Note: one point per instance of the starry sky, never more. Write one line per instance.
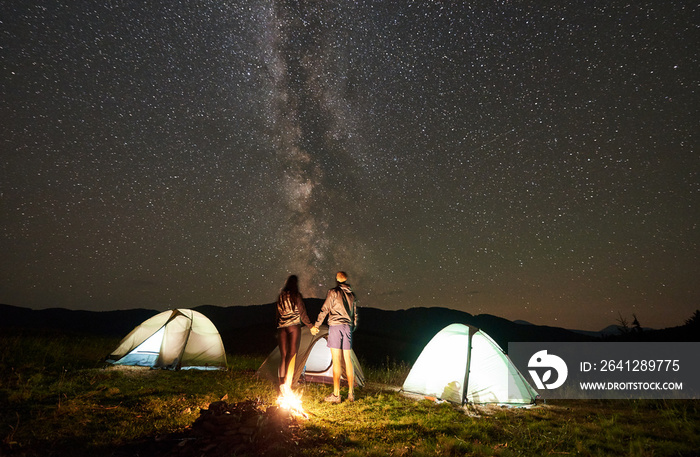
(531, 160)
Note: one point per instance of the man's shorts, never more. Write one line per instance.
(339, 336)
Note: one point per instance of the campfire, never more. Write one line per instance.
(291, 402)
(249, 427)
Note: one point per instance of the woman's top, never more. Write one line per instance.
(291, 310)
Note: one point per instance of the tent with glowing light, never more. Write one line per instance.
(313, 363)
(462, 364)
(175, 339)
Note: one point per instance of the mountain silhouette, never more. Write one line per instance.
(380, 336)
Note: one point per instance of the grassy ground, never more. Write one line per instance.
(57, 399)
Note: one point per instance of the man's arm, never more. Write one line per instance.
(324, 310)
(357, 315)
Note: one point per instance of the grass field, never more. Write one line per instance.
(57, 399)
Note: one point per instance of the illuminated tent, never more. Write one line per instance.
(313, 363)
(174, 339)
(462, 364)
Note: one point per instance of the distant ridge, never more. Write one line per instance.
(398, 335)
(106, 323)
(522, 322)
(610, 330)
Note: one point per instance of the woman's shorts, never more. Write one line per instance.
(339, 336)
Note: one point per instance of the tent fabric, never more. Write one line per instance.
(462, 364)
(175, 339)
(313, 363)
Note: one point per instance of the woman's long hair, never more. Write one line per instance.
(292, 285)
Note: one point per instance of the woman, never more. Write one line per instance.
(291, 313)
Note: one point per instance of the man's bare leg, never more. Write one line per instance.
(349, 372)
(337, 369)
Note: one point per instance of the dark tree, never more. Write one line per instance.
(694, 320)
(635, 324)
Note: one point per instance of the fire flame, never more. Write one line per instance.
(292, 402)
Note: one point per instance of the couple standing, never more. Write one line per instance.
(341, 309)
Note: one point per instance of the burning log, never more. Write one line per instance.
(291, 402)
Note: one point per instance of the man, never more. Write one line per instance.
(341, 308)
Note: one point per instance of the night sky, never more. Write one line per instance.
(531, 160)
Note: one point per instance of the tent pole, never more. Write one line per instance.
(189, 332)
(469, 365)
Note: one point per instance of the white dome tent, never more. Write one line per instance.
(462, 364)
(314, 362)
(175, 339)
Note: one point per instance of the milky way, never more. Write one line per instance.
(531, 161)
(313, 125)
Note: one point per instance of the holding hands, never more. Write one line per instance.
(314, 331)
